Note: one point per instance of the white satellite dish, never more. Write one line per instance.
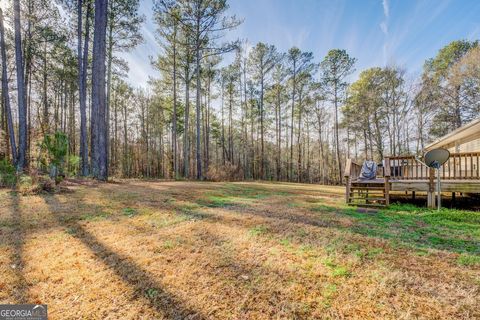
(435, 159)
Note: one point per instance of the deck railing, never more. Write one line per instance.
(459, 166)
(352, 170)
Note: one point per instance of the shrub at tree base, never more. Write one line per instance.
(56, 148)
(25, 184)
(34, 184)
(227, 172)
(7, 174)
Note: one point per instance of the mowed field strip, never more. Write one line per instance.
(201, 250)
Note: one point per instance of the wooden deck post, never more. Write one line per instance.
(348, 167)
(386, 176)
(431, 188)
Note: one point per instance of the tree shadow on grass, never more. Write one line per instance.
(416, 230)
(194, 208)
(18, 231)
(406, 229)
(143, 283)
(432, 230)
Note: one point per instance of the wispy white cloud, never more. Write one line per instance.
(475, 33)
(423, 14)
(330, 20)
(384, 28)
(377, 33)
(297, 38)
(138, 59)
(386, 8)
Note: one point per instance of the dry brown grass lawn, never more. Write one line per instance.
(193, 250)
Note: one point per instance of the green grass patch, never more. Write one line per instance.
(129, 212)
(249, 192)
(151, 293)
(468, 260)
(447, 216)
(166, 221)
(329, 290)
(328, 293)
(8, 223)
(403, 207)
(341, 272)
(352, 247)
(306, 248)
(373, 252)
(258, 230)
(329, 262)
(295, 204)
(216, 201)
(421, 252)
(93, 216)
(323, 208)
(286, 242)
(337, 270)
(193, 212)
(234, 195)
(302, 233)
(71, 231)
(168, 244)
(411, 226)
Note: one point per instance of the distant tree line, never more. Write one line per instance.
(265, 115)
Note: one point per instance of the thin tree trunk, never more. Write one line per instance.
(5, 93)
(22, 111)
(29, 110)
(186, 140)
(299, 144)
(81, 61)
(197, 106)
(3, 127)
(99, 133)
(109, 81)
(85, 170)
(252, 113)
(115, 134)
(308, 152)
(230, 129)
(174, 124)
(45, 124)
(223, 124)
(290, 163)
(277, 132)
(262, 150)
(125, 143)
(207, 122)
(245, 106)
(337, 139)
(28, 75)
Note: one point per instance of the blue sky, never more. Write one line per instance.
(376, 32)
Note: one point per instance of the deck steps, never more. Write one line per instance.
(367, 194)
(369, 198)
(369, 188)
(367, 205)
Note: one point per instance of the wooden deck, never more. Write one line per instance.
(461, 174)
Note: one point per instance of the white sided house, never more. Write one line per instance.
(463, 139)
